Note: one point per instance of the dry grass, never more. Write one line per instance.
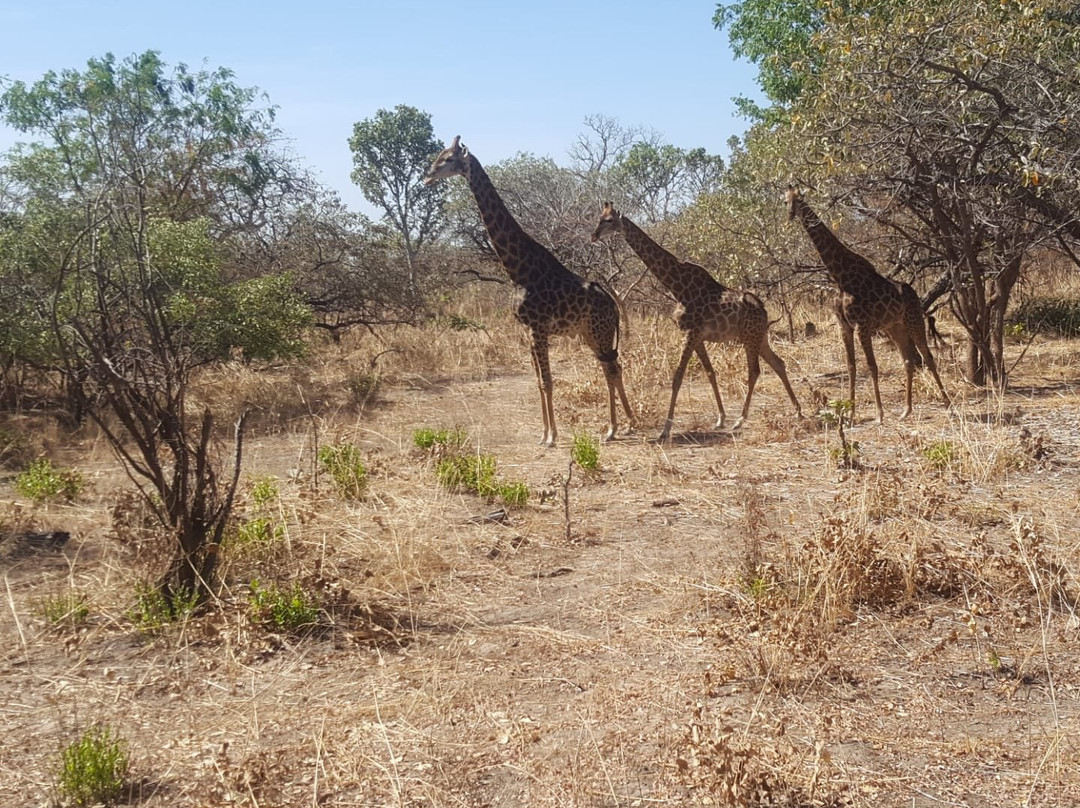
(729, 619)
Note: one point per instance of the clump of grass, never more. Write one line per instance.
(94, 769)
(153, 610)
(258, 532)
(514, 494)
(427, 439)
(43, 482)
(65, 610)
(940, 455)
(585, 451)
(344, 462)
(282, 610)
(472, 472)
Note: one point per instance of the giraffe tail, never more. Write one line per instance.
(620, 308)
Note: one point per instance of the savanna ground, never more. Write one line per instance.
(729, 619)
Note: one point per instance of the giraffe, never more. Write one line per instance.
(868, 302)
(555, 301)
(707, 311)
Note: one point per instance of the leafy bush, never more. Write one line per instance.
(1058, 316)
(285, 611)
(44, 482)
(264, 492)
(345, 465)
(94, 769)
(585, 451)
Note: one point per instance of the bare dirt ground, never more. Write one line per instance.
(728, 619)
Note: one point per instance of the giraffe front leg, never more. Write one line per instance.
(710, 374)
(866, 339)
(847, 334)
(676, 383)
(542, 366)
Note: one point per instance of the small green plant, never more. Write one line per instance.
(258, 532)
(474, 472)
(514, 494)
(289, 610)
(344, 463)
(940, 455)
(264, 492)
(153, 611)
(427, 439)
(43, 482)
(836, 413)
(94, 769)
(68, 609)
(585, 451)
(362, 386)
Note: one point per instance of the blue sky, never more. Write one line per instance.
(507, 76)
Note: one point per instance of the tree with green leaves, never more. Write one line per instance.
(391, 153)
(774, 35)
(956, 127)
(142, 182)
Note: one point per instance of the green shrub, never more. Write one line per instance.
(428, 439)
(68, 609)
(258, 532)
(44, 482)
(472, 472)
(264, 492)
(345, 465)
(284, 611)
(153, 611)
(94, 769)
(585, 451)
(940, 455)
(514, 494)
(1057, 316)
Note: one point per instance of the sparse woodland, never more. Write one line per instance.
(275, 528)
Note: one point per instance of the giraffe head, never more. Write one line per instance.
(610, 222)
(794, 198)
(451, 162)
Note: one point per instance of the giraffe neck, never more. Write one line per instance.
(834, 253)
(662, 264)
(510, 242)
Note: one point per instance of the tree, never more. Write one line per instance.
(776, 36)
(111, 252)
(391, 153)
(662, 179)
(958, 128)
